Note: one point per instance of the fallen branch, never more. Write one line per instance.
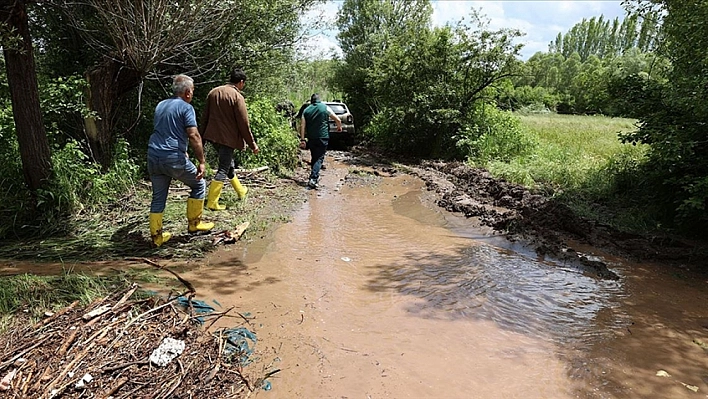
(186, 283)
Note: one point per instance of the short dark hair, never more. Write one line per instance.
(315, 98)
(238, 75)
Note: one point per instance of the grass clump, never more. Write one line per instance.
(36, 295)
(580, 160)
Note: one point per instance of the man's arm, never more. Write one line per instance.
(244, 127)
(335, 118)
(195, 141)
(302, 128)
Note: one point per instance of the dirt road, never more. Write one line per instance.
(373, 292)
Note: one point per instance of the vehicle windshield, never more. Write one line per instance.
(338, 108)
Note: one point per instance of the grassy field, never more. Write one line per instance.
(581, 160)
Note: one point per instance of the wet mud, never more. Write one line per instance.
(436, 281)
(546, 224)
(402, 282)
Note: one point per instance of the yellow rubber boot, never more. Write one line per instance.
(159, 237)
(195, 207)
(240, 189)
(215, 188)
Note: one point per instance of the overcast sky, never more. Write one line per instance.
(540, 20)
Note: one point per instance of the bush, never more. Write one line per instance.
(9, 150)
(79, 183)
(494, 136)
(278, 143)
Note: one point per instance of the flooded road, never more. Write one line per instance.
(368, 292)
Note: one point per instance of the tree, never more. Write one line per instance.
(367, 29)
(422, 86)
(604, 39)
(120, 44)
(673, 114)
(22, 79)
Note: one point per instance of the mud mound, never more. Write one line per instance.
(543, 222)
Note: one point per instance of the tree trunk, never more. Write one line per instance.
(108, 83)
(22, 79)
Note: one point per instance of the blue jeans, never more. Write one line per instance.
(318, 148)
(163, 169)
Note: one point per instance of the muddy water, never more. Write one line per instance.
(370, 293)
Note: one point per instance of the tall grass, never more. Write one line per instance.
(35, 294)
(581, 160)
(570, 149)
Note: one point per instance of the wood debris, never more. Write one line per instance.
(69, 355)
(230, 236)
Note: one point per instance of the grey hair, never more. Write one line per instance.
(181, 83)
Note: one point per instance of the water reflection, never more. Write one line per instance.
(517, 291)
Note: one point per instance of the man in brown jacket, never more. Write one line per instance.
(225, 124)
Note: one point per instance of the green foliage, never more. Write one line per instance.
(79, 183)
(495, 136)
(581, 160)
(567, 149)
(603, 38)
(418, 86)
(367, 29)
(9, 149)
(99, 39)
(312, 76)
(578, 74)
(64, 108)
(277, 142)
(38, 294)
(673, 114)
(527, 98)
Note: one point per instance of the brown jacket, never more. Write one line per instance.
(225, 119)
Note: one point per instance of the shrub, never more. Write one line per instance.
(278, 143)
(79, 183)
(495, 135)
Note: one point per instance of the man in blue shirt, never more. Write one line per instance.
(315, 121)
(175, 124)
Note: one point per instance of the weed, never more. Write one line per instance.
(580, 160)
(38, 294)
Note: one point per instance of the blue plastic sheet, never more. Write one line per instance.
(240, 341)
(237, 341)
(200, 307)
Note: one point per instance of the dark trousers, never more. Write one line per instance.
(318, 148)
(225, 171)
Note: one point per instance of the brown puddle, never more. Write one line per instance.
(369, 293)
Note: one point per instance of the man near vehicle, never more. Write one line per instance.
(225, 124)
(298, 117)
(314, 122)
(175, 124)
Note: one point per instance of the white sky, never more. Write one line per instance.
(540, 20)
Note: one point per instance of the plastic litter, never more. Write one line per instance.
(200, 307)
(87, 378)
(168, 350)
(237, 342)
(6, 380)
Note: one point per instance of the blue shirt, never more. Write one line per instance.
(172, 118)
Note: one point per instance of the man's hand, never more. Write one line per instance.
(303, 144)
(200, 170)
(255, 148)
